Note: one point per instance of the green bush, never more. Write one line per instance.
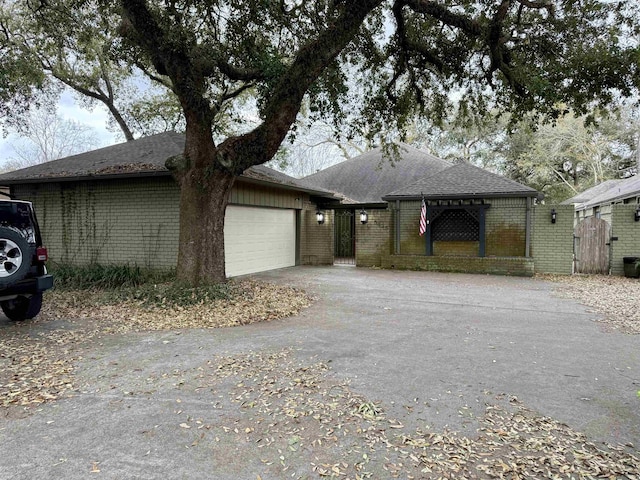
(69, 277)
(152, 288)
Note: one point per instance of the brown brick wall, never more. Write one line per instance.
(552, 245)
(373, 240)
(518, 266)
(136, 220)
(459, 249)
(505, 231)
(627, 230)
(316, 241)
(110, 222)
(506, 227)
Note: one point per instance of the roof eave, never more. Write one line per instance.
(80, 178)
(154, 173)
(606, 201)
(359, 205)
(284, 186)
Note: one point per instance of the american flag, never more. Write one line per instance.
(423, 218)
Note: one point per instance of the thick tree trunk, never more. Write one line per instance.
(203, 200)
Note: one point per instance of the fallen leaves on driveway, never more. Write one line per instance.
(37, 357)
(298, 417)
(617, 299)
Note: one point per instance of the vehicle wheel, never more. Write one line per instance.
(15, 256)
(21, 307)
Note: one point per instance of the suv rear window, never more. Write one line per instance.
(18, 217)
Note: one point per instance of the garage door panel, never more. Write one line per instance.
(258, 239)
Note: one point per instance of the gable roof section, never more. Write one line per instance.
(592, 192)
(144, 157)
(628, 187)
(367, 177)
(462, 180)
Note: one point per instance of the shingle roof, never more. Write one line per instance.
(146, 154)
(463, 180)
(143, 157)
(592, 192)
(368, 177)
(629, 187)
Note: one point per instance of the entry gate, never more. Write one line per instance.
(592, 238)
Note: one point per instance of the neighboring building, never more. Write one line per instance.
(119, 204)
(607, 226)
(597, 201)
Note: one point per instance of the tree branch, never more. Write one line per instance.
(261, 144)
(235, 73)
(102, 98)
(434, 9)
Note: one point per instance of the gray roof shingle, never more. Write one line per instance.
(629, 187)
(463, 180)
(592, 192)
(143, 157)
(146, 154)
(368, 177)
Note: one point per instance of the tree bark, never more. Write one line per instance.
(203, 200)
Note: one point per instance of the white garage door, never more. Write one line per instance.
(258, 239)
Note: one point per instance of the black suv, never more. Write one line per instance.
(23, 275)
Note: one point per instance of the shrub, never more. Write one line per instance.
(70, 277)
(151, 288)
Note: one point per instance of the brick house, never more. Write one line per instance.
(476, 220)
(120, 204)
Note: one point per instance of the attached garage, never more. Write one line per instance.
(120, 205)
(258, 239)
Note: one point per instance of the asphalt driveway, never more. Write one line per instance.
(413, 351)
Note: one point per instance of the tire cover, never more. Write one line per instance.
(26, 252)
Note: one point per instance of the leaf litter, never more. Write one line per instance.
(617, 299)
(37, 357)
(302, 421)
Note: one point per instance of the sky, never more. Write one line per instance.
(69, 109)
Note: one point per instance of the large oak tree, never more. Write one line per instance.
(369, 65)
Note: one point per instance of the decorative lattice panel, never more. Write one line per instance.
(455, 225)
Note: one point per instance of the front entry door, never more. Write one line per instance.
(344, 251)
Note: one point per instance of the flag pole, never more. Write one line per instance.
(423, 216)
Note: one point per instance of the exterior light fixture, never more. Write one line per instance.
(636, 216)
(364, 217)
(320, 217)
(553, 215)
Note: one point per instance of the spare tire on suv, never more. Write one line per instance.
(15, 256)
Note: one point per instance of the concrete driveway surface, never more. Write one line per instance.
(382, 366)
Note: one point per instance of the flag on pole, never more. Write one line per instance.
(423, 217)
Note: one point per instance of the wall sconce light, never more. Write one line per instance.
(636, 216)
(320, 217)
(553, 215)
(364, 217)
